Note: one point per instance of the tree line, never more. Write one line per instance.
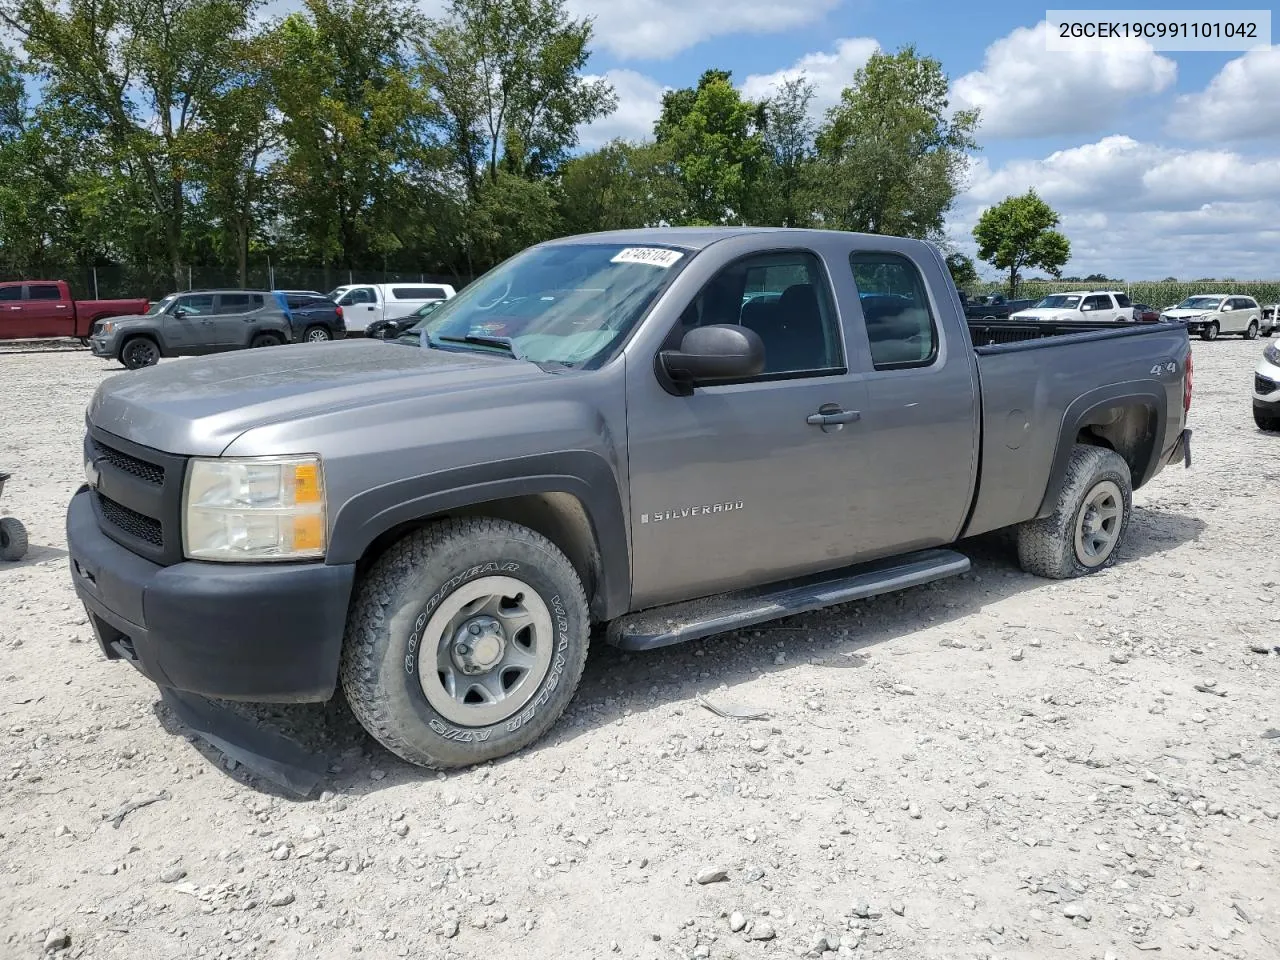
(153, 134)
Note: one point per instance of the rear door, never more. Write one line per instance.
(45, 313)
(230, 319)
(916, 441)
(1124, 308)
(13, 324)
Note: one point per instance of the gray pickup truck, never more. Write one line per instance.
(613, 434)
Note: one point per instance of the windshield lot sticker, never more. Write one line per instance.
(653, 256)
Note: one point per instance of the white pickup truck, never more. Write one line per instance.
(1081, 305)
(366, 303)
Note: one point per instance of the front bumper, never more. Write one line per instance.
(256, 632)
(102, 348)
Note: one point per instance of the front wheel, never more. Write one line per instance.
(465, 643)
(1266, 422)
(1252, 332)
(1210, 331)
(1088, 522)
(140, 352)
(13, 539)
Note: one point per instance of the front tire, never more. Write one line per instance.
(1252, 332)
(13, 539)
(1210, 331)
(1265, 422)
(465, 642)
(1091, 516)
(140, 352)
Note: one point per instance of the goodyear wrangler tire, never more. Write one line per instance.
(465, 642)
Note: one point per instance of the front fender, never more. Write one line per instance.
(582, 474)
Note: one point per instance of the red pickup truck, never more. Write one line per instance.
(44, 308)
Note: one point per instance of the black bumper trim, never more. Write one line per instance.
(256, 632)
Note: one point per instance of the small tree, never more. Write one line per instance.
(963, 272)
(1019, 232)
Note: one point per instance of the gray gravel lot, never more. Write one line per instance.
(993, 766)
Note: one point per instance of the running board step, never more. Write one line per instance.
(692, 619)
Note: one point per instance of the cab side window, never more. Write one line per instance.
(1097, 302)
(199, 305)
(359, 295)
(786, 299)
(901, 328)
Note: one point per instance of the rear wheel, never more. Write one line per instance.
(265, 340)
(1210, 331)
(316, 335)
(140, 352)
(1252, 332)
(1088, 522)
(466, 642)
(13, 539)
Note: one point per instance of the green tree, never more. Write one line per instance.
(618, 187)
(714, 141)
(892, 156)
(507, 78)
(145, 71)
(963, 272)
(1018, 232)
(788, 142)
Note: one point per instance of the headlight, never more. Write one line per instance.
(106, 327)
(260, 508)
(1272, 354)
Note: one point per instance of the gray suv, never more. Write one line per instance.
(192, 324)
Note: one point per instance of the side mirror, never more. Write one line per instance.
(1226, 307)
(179, 312)
(717, 352)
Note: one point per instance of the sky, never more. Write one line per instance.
(1160, 163)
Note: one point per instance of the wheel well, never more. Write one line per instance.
(560, 517)
(1129, 430)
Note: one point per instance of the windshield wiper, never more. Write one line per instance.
(503, 342)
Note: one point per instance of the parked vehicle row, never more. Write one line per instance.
(367, 303)
(601, 432)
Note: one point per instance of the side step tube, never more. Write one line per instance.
(690, 620)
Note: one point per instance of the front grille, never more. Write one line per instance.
(132, 522)
(150, 472)
(1262, 385)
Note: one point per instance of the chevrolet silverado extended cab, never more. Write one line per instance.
(606, 434)
(45, 308)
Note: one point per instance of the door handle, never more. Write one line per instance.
(831, 415)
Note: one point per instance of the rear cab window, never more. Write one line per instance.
(901, 329)
(43, 291)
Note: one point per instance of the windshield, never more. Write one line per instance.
(1059, 301)
(567, 305)
(1199, 303)
(335, 294)
(161, 306)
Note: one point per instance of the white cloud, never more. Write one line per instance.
(829, 73)
(1024, 90)
(1144, 211)
(639, 105)
(660, 29)
(1242, 102)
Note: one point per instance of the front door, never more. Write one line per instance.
(360, 307)
(734, 485)
(187, 324)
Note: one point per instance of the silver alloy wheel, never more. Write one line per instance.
(485, 651)
(1098, 524)
(317, 335)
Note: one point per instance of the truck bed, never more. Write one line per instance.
(1033, 376)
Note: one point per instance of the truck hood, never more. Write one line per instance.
(199, 406)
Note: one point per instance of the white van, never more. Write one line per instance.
(363, 303)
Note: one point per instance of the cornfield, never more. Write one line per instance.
(1155, 293)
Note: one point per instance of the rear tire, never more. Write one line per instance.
(1089, 521)
(13, 539)
(407, 670)
(140, 352)
(265, 340)
(1210, 331)
(1265, 423)
(1252, 332)
(316, 335)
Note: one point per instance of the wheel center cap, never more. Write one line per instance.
(479, 645)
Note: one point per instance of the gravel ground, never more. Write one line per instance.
(993, 766)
